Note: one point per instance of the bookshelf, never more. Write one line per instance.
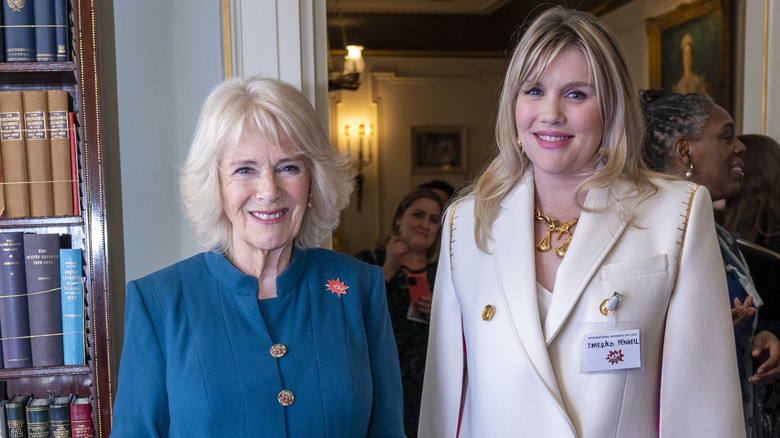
(80, 77)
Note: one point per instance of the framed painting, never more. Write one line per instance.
(690, 50)
(438, 149)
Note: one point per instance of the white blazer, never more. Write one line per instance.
(512, 376)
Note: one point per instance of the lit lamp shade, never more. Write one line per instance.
(353, 62)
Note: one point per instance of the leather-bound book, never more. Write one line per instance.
(35, 104)
(14, 155)
(45, 31)
(59, 145)
(14, 316)
(81, 417)
(38, 423)
(16, 416)
(18, 19)
(42, 265)
(62, 35)
(59, 416)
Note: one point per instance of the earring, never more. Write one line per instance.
(689, 172)
(520, 144)
(309, 204)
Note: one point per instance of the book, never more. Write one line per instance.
(14, 155)
(35, 104)
(59, 147)
(61, 32)
(19, 34)
(74, 164)
(42, 265)
(81, 417)
(2, 46)
(72, 299)
(14, 316)
(59, 416)
(38, 423)
(45, 31)
(16, 417)
(3, 419)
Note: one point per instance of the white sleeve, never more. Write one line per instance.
(445, 371)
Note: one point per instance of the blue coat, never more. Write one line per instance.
(197, 353)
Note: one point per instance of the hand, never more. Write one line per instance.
(766, 349)
(396, 248)
(423, 306)
(742, 311)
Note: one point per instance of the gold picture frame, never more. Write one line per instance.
(690, 50)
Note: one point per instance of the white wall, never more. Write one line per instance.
(168, 57)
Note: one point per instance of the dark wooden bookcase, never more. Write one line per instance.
(80, 77)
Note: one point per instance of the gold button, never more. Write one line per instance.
(488, 312)
(278, 350)
(286, 397)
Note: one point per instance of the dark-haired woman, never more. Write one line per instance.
(690, 136)
(407, 258)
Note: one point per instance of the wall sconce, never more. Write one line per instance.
(364, 133)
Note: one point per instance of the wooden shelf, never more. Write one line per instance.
(35, 222)
(80, 78)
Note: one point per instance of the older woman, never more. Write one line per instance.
(408, 266)
(574, 295)
(265, 335)
(690, 136)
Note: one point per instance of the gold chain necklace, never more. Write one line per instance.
(554, 225)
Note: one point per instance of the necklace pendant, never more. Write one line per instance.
(545, 244)
(561, 250)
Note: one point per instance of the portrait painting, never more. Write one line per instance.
(438, 149)
(689, 50)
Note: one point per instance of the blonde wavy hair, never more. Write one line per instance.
(278, 111)
(555, 30)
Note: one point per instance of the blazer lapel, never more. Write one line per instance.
(598, 232)
(513, 256)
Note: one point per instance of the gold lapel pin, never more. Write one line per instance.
(488, 312)
(608, 306)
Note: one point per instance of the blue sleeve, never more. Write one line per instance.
(141, 405)
(387, 410)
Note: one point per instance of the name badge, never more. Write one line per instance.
(613, 350)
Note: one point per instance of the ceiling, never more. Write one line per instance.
(438, 27)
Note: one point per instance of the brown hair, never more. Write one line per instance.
(754, 213)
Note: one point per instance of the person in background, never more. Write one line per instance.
(264, 335)
(690, 136)
(442, 188)
(409, 269)
(754, 212)
(574, 296)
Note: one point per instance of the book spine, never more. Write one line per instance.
(38, 153)
(14, 155)
(59, 416)
(18, 19)
(80, 420)
(61, 23)
(15, 415)
(74, 164)
(72, 297)
(38, 424)
(59, 146)
(45, 31)
(42, 265)
(14, 316)
(2, 47)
